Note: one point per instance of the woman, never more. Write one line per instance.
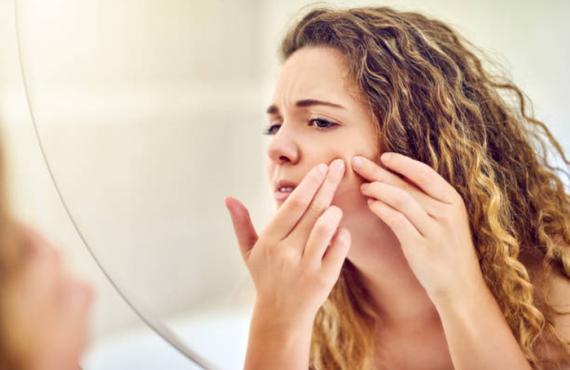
(43, 308)
(454, 227)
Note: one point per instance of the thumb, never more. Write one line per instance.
(77, 301)
(244, 230)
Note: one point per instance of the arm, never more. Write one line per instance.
(294, 264)
(478, 335)
(431, 222)
(278, 341)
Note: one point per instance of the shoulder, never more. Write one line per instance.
(559, 298)
(554, 288)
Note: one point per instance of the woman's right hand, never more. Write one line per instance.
(298, 257)
(46, 308)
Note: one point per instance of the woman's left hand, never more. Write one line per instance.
(429, 218)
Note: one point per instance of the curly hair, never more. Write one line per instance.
(433, 101)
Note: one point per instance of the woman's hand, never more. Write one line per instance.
(429, 218)
(297, 259)
(45, 308)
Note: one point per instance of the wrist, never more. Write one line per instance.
(278, 318)
(278, 340)
(473, 296)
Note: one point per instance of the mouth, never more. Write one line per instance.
(281, 195)
(283, 189)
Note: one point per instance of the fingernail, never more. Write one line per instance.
(322, 168)
(344, 234)
(337, 165)
(356, 162)
(386, 157)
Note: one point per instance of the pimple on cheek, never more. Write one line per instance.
(352, 177)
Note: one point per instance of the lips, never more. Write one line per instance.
(282, 195)
(284, 183)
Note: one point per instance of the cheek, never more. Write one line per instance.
(348, 195)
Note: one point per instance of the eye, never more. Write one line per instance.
(269, 130)
(320, 122)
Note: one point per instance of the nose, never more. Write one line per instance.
(282, 148)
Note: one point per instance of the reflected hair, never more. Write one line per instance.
(432, 100)
(12, 344)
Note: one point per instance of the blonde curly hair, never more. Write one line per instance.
(433, 101)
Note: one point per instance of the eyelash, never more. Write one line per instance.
(332, 124)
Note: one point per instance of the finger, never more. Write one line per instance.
(243, 227)
(336, 253)
(296, 204)
(44, 272)
(401, 201)
(320, 203)
(74, 315)
(320, 237)
(407, 234)
(371, 171)
(78, 300)
(422, 175)
(33, 242)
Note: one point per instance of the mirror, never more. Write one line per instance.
(148, 116)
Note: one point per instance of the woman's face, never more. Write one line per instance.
(315, 117)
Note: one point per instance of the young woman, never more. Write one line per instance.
(44, 309)
(438, 238)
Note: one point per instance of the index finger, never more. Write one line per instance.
(296, 204)
(422, 175)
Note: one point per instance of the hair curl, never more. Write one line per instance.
(433, 101)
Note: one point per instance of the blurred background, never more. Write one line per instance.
(150, 113)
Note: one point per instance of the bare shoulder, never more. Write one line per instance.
(559, 298)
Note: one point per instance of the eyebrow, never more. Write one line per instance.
(272, 109)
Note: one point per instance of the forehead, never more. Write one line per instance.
(313, 72)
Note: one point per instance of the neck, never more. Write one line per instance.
(402, 304)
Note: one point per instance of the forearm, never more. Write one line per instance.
(478, 335)
(277, 342)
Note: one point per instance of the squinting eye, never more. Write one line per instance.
(269, 130)
(323, 121)
(318, 121)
